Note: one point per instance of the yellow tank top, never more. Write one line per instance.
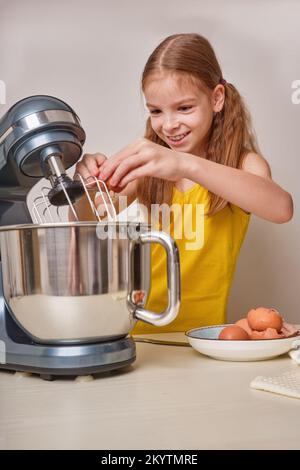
(206, 270)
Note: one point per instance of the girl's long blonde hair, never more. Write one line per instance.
(231, 135)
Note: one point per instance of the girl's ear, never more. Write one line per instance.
(218, 98)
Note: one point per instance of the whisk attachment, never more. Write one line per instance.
(104, 194)
(55, 204)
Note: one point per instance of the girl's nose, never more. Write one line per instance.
(170, 124)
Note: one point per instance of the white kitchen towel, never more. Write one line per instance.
(287, 384)
(295, 353)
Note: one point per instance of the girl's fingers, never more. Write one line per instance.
(126, 166)
(90, 163)
(100, 160)
(82, 170)
(111, 164)
(107, 169)
(139, 172)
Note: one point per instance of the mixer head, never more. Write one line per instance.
(32, 126)
(40, 136)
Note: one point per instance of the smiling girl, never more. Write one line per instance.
(198, 151)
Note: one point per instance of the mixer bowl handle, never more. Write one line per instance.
(173, 280)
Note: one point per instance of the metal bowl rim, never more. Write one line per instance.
(7, 228)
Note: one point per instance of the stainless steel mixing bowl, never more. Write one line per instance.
(83, 281)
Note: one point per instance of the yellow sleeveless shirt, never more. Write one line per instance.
(206, 270)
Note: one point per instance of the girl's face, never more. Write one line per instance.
(181, 113)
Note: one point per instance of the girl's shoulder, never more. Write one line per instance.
(255, 163)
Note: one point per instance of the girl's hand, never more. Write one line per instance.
(90, 165)
(88, 168)
(139, 159)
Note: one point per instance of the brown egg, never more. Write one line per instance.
(233, 333)
(243, 323)
(262, 318)
(269, 333)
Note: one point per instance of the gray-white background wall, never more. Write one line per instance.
(91, 53)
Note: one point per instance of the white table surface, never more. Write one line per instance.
(170, 398)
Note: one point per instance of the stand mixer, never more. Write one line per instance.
(67, 294)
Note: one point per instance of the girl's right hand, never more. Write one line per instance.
(88, 168)
(90, 165)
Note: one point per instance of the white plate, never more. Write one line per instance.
(205, 340)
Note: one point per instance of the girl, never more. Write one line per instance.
(198, 150)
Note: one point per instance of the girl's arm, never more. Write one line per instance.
(250, 188)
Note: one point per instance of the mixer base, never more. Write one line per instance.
(52, 374)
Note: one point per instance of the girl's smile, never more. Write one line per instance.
(177, 140)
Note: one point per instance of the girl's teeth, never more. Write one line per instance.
(178, 137)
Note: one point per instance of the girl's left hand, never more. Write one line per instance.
(142, 158)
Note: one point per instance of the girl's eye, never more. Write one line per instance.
(182, 108)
